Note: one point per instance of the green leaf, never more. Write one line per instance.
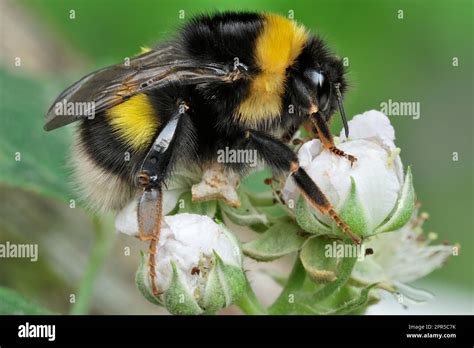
(255, 181)
(13, 303)
(320, 268)
(307, 220)
(353, 213)
(344, 270)
(354, 304)
(246, 214)
(42, 156)
(404, 208)
(249, 303)
(285, 303)
(277, 241)
(186, 205)
(265, 202)
(261, 199)
(273, 212)
(259, 228)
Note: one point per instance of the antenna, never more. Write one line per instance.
(341, 109)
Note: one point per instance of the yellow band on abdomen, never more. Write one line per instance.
(135, 121)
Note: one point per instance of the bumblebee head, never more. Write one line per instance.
(317, 81)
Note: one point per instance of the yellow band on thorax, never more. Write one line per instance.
(277, 47)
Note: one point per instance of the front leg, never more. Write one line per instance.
(280, 158)
(326, 137)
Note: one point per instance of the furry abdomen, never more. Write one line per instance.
(109, 149)
(99, 188)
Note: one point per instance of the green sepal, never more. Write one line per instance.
(307, 220)
(225, 285)
(353, 214)
(177, 298)
(404, 208)
(142, 281)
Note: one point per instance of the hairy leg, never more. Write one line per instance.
(326, 137)
(153, 172)
(280, 157)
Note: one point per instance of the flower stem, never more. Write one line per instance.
(249, 303)
(282, 304)
(96, 261)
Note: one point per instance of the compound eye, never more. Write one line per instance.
(323, 90)
(318, 78)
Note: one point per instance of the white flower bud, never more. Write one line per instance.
(368, 194)
(198, 266)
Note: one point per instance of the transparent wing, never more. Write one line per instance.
(113, 85)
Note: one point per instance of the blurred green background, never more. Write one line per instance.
(409, 59)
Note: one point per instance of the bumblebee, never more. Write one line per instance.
(240, 80)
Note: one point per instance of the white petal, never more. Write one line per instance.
(170, 199)
(401, 256)
(371, 125)
(126, 220)
(290, 190)
(377, 183)
(308, 151)
(398, 167)
(411, 258)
